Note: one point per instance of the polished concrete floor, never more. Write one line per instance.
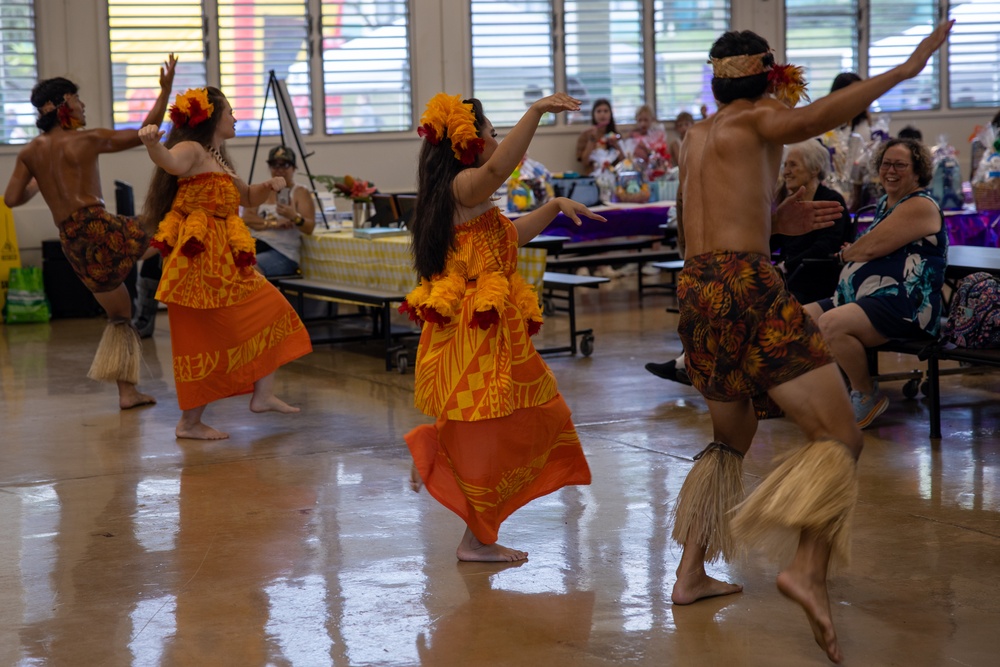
(299, 542)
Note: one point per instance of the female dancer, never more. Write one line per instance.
(503, 434)
(230, 329)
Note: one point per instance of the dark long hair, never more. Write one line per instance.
(843, 80)
(433, 224)
(51, 90)
(163, 186)
(740, 43)
(612, 128)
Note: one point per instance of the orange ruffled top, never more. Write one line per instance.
(208, 249)
(475, 359)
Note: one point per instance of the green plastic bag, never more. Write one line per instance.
(26, 300)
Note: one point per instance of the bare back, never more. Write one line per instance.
(728, 173)
(64, 163)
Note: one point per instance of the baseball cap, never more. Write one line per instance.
(281, 153)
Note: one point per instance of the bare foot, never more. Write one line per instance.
(199, 431)
(416, 482)
(697, 586)
(271, 404)
(134, 400)
(815, 602)
(471, 549)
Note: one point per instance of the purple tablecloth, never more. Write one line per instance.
(622, 221)
(975, 228)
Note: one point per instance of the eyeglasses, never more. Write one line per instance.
(898, 166)
(280, 165)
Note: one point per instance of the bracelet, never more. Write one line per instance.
(299, 220)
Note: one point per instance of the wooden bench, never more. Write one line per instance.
(565, 284)
(379, 300)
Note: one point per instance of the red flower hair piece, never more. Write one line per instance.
(191, 108)
(787, 83)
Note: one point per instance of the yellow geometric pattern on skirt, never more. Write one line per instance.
(205, 208)
(464, 372)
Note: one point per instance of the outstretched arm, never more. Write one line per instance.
(256, 194)
(476, 185)
(177, 161)
(777, 123)
(531, 225)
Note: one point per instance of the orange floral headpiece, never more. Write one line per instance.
(191, 108)
(786, 82)
(447, 116)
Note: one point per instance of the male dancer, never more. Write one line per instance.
(102, 248)
(743, 334)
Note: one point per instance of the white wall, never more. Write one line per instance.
(73, 42)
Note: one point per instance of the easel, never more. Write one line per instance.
(285, 114)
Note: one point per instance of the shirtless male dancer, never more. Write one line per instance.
(744, 334)
(102, 248)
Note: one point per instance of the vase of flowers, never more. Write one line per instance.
(358, 191)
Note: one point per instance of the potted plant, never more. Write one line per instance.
(358, 191)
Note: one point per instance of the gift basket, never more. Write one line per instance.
(986, 181)
(529, 186)
(946, 179)
(630, 186)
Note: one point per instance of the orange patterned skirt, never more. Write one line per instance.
(485, 470)
(221, 352)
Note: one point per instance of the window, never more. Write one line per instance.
(827, 38)
(142, 33)
(685, 31)
(365, 59)
(974, 54)
(366, 66)
(256, 37)
(822, 38)
(512, 57)
(18, 70)
(604, 54)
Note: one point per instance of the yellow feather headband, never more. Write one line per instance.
(447, 116)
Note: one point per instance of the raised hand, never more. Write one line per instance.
(167, 72)
(150, 135)
(556, 103)
(926, 48)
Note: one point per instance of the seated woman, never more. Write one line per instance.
(890, 286)
(806, 165)
(279, 223)
(602, 133)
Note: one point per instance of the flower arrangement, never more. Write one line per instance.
(354, 189)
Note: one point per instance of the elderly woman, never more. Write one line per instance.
(806, 165)
(890, 286)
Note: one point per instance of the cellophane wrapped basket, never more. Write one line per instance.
(987, 195)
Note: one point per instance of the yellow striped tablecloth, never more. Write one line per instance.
(383, 263)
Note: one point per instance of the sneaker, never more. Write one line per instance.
(868, 406)
(669, 371)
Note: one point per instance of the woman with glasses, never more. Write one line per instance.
(279, 223)
(890, 285)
